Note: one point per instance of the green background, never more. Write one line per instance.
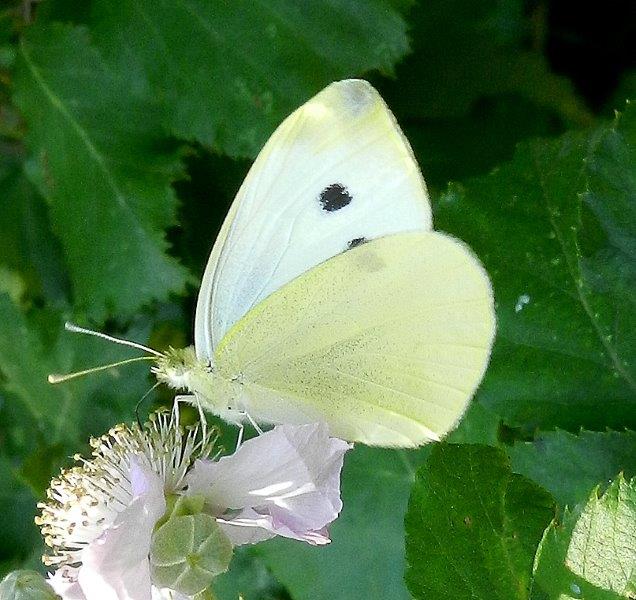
(127, 127)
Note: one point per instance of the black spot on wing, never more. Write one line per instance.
(356, 242)
(334, 197)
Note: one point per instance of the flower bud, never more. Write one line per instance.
(26, 585)
(188, 552)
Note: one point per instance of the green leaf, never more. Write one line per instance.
(592, 556)
(12, 15)
(248, 578)
(17, 507)
(25, 585)
(188, 552)
(99, 158)
(556, 231)
(610, 267)
(455, 148)
(34, 346)
(465, 50)
(478, 426)
(472, 88)
(569, 465)
(472, 526)
(245, 65)
(11, 283)
(365, 558)
(29, 250)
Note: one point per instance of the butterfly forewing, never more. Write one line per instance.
(336, 173)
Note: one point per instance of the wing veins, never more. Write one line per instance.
(363, 329)
(401, 392)
(421, 360)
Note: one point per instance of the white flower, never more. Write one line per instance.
(284, 482)
(100, 515)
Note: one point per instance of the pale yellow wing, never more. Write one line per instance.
(387, 342)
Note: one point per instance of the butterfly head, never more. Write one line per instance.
(178, 367)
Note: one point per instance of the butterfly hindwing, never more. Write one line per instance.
(394, 338)
(336, 173)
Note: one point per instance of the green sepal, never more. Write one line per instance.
(26, 585)
(188, 505)
(179, 506)
(189, 550)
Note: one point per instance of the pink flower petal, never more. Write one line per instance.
(131, 583)
(249, 527)
(289, 477)
(65, 588)
(115, 566)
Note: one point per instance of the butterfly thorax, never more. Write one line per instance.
(181, 369)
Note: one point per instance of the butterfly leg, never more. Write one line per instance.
(138, 405)
(241, 429)
(202, 419)
(239, 437)
(178, 399)
(194, 400)
(253, 422)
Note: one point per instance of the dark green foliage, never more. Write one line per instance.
(570, 465)
(556, 230)
(472, 526)
(227, 73)
(100, 161)
(122, 127)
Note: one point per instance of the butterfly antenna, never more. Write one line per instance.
(57, 378)
(77, 329)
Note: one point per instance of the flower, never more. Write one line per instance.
(101, 515)
(285, 482)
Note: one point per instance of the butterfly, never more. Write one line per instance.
(328, 296)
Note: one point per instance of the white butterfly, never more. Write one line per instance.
(328, 296)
